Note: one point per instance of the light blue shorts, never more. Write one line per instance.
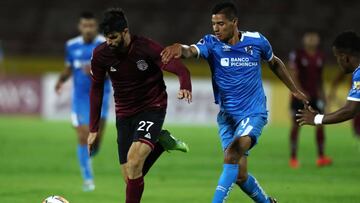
(80, 114)
(231, 126)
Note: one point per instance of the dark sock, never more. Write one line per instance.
(153, 156)
(134, 190)
(294, 140)
(320, 139)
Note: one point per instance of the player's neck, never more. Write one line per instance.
(310, 50)
(88, 40)
(127, 42)
(235, 39)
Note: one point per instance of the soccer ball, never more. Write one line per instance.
(55, 199)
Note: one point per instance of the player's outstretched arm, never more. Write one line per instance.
(64, 76)
(177, 51)
(98, 75)
(310, 117)
(280, 70)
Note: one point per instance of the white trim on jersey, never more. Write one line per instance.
(74, 119)
(353, 99)
(197, 49)
(272, 56)
(247, 130)
(250, 34)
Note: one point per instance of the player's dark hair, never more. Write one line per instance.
(87, 15)
(226, 8)
(348, 42)
(114, 21)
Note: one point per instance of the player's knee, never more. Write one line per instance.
(133, 164)
(242, 177)
(232, 157)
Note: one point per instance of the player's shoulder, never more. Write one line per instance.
(209, 38)
(144, 41)
(74, 41)
(252, 36)
(100, 39)
(356, 73)
(100, 49)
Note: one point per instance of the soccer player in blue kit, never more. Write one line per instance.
(346, 48)
(78, 55)
(234, 58)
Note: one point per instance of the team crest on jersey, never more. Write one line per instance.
(356, 85)
(249, 50)
(142, 65)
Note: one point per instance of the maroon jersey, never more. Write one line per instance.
(136, 77)
(309, 70)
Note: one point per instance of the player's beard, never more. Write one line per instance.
(119, 47)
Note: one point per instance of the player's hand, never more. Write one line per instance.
(91, 141)
(301, 96)
(185, 94)
(171, 52)
(306, 116)
(58, 87)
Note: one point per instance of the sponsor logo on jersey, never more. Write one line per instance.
(142, 65)
(238, 62)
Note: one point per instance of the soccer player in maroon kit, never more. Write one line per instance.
(307, 66)
(134, 66)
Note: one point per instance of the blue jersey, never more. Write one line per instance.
(78, 58)
(354, 93)
(236, 72)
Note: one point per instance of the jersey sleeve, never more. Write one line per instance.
(98, 74)
(174, 66)
(266, 49)
(68, 57)
(203, 47)
(354, 93)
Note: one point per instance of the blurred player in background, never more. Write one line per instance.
(135, 69)
(306, 65)
(346, 48)
(78, 55)
(341, 76)
(235, 61)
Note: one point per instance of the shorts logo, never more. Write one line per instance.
(225, 61)
(148, 136)
(142, 65)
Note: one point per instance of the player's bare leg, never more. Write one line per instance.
(294, 137)
(84, 158)
(98, 139)
(135, 184)
(124, 174)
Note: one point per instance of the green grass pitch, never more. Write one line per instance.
(38, 159)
